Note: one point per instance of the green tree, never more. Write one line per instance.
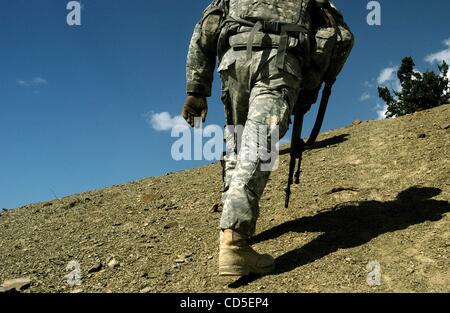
(419, 91)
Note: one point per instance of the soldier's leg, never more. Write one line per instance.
(271, 103)
(236, 102)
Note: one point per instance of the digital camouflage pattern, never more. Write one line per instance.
(257, 91)
(266, 105)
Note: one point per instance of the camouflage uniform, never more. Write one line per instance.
(256, 91)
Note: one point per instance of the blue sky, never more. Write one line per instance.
(76, 103)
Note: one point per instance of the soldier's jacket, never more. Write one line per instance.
(214, 35)
(203, 48)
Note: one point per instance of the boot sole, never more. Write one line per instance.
(243, 271)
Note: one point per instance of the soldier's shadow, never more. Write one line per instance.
(351, 225)
(321, 144)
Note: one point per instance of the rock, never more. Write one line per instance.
(214, 208)
(171, 207)
(146, 290)
(79, 290)
(18, 284)
(147, 198)
(445, 126)
(147, 245)
(421, 136)
(113, 263)
(71, 204)
(357, 122)
(183, 258)
(144, 275)
(171, 225)
(340, 189)
(95, 268)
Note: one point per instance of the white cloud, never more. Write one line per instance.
(34, 82)
(38, 81)
(443, 55)
(365, 96)
(368, 84)
(21, 82)
(381, 111)
(164, 121)
(386, 75)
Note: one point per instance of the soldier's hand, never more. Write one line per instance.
(195, 107)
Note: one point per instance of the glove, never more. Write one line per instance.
(195, 106)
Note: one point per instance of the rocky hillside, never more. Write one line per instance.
(375, 191)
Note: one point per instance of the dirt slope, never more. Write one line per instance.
(377, 191)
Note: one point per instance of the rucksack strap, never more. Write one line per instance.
(276, 28)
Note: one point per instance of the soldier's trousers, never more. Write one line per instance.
(257, 94)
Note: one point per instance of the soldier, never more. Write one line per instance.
(263, 52)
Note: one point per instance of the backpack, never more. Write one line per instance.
(281, 20)
(332, 44)
(284, 11)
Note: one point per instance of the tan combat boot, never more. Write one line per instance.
(237, 258)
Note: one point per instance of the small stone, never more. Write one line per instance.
(357, 122)
(147, 198)
(113, 263)
(445, 126)
(95, 268)
(144, 275)
(146, 290)
(214, 208)
(78, 290)
(147, 245)
(179, 261)
(421, 136)
(171, 225)
(18, 284)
